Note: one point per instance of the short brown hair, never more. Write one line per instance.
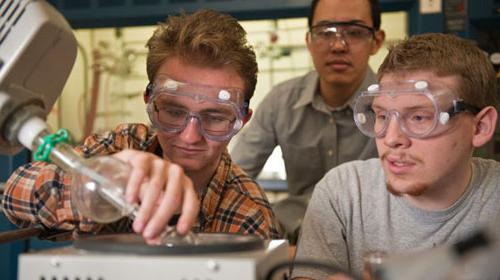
(444, 55)
(205, 38)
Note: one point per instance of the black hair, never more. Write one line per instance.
(374, 7)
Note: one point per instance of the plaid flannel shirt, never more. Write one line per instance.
(40, 193)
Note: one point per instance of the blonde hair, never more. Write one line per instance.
(445, 55)
(204, 38)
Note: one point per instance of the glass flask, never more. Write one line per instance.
(98, 192)
(101, 200)
(98, 184)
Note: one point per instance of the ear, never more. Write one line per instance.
(484, 126)
(248, 116)
(308, 41)
(147, 93)
(378, 41)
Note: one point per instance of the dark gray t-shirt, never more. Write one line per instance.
(351, 212)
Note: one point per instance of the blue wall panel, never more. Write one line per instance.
(9, 163)
(119, 13)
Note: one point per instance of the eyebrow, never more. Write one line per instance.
(171, 103)
(380, 107)
(214, 110)
(205, 110)
(327, 22)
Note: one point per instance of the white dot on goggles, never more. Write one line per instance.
(444, 118)
(421, 85)
(224, 95)
(361, 118)
(373, 87)
(172, 85)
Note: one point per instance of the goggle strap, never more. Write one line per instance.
(461, 106)
(245, 107)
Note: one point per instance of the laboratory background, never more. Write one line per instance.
(107, 82)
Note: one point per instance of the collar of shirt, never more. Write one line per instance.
(310, 93)
(212, 193)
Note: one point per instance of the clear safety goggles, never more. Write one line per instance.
(351, 33)
(419, 112)
(219, 112)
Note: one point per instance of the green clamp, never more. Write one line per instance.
(49, 142)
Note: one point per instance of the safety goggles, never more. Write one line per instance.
(351, 33)
(419, 112)
(219, 113)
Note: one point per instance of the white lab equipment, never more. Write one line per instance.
(37, 52)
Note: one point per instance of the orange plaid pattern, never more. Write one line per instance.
(39, 193)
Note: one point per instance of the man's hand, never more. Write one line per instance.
(161, 188)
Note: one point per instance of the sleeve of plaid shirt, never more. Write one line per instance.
(248, 212)
(39, 192)
(234, 203)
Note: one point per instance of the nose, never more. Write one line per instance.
(191, 133)
(394, 137)
(338, 43)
